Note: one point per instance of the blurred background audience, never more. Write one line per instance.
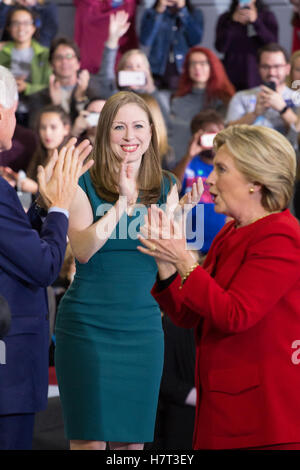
(240, 32)
(168, 30)
(46, 12)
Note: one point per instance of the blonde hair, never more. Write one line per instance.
(159, 123)
(127, 54)
(289, 78)
(104, 172)
(265, 157)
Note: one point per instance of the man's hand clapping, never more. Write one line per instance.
(58, 180)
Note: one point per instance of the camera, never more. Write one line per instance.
(271, 85)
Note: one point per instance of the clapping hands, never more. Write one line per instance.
(58, 180)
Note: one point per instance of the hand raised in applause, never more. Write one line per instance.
(55, 90)
(58, 180)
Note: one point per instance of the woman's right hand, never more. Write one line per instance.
(127, 184)
(118, 26)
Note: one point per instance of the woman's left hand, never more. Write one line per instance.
(164, 239)
(178, 208)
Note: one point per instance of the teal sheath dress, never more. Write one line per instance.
(109, 339)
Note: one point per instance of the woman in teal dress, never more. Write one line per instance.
(109, 340)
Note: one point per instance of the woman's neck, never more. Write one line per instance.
(199, 85)
(243, 222)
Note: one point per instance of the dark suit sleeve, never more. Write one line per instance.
(25, 254)
(5, 317)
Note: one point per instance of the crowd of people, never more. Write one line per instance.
(140, 124)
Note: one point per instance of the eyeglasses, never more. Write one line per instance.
(68, 56)
(15, 24)
(202, 63)
(266, 67)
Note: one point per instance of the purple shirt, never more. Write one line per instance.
(240, 44)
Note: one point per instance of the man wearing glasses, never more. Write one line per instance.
(69, 86)
(272, 104)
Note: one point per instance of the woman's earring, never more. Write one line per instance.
(251, 190)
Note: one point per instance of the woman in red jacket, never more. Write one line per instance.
(244, 302)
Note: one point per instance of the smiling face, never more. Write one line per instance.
(52, 130)
(130, 133)
(228, 186)
(65, 62)
(21, 27)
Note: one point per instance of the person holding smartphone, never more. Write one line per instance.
(133, 69)
(198, 163)
(85, 125)
(272, 104)
(168, 30)
(241, 31)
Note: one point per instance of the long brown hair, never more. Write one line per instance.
(104, 172)
(40, 156)
(160, 125)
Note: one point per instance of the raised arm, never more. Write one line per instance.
(118, 26)
(87, 237)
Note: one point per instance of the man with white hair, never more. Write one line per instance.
(31, 254)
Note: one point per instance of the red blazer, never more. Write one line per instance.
(245, 307)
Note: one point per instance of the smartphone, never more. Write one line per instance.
(271, 85)
(92, 119)
(244, 4)
(130, 78)
(207, 140)
(116, 3)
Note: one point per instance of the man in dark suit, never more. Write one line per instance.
(32, 248)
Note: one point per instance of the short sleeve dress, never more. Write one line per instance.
(109, 339)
